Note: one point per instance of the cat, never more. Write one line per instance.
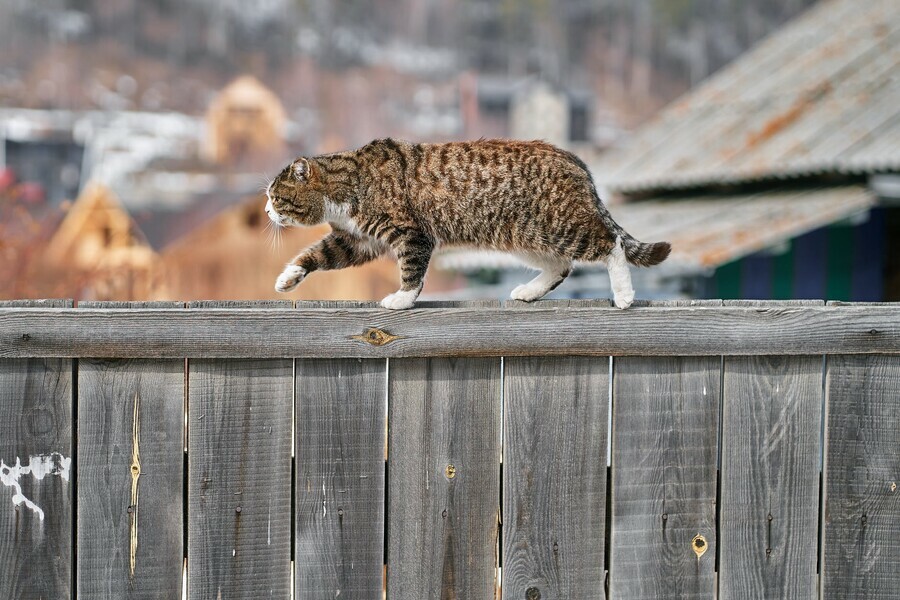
(531, 199)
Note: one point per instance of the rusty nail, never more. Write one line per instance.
(450, 471)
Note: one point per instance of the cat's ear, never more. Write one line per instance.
(300, 169)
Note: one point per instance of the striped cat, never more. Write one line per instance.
(531, 199)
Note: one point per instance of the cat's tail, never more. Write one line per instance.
(645, 255)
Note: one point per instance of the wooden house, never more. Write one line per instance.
(245, 121)
(97, 252)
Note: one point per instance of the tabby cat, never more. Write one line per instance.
(532, 199)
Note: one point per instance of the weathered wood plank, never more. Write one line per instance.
(130, 475)
(554, 477)
(340, 440)
(37, 475)
(664, 446)
(770, 477)
(239, 476)
(862, 500)
(444, 466)
(476, 331)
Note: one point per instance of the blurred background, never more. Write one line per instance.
(760, 137)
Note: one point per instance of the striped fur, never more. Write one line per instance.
(529, 198)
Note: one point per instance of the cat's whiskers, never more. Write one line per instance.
(274, 235)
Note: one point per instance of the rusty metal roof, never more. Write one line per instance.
(707, 231)
(822, 95)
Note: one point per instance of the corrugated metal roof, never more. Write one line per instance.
(821, 95)
(707, 231)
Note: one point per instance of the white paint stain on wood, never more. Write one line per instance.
(39, 466)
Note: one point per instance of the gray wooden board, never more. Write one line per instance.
(771, 424)
(239, 477)
(340, 439)
(554, 477)
(36, 474)
(862, 500)
(130, 409)
(470, 331)
(444, 468)
(664, 447)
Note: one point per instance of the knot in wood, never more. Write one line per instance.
(532, 593)
(376, 337)
(699, 545)
(25, 337)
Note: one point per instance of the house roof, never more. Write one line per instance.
(707, 231)
(821, 95)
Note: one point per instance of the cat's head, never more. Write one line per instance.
(297, 196)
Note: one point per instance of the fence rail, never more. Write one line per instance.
(459, 450)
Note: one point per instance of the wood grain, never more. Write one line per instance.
(862, 501)
(444, 466)
(36, 512)
(471, 331)
(554, 477)
(340, 440)
(772, 420)
(664, 446)
(127, 410)
(239, 477)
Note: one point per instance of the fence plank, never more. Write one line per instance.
(862, 506)
(458, 331)
(340, 417)
(36, 470)
(770, 477)
(554, 477)
(665, 429)
(239, 477)
(444, 466)
(129, 534)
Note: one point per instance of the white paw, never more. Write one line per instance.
(624, 299)
(528, 292)
(400, 300)
(289, 278)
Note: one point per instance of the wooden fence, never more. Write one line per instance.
(255, 450)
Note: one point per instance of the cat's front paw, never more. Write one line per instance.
(400, 300)
(528, 292)
(289, 278)
(624, 300)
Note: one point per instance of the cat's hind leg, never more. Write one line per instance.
(554, 270)
(619, 275)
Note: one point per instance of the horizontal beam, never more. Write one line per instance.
(456, 331)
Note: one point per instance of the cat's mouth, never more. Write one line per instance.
(273, 214)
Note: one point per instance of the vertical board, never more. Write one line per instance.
(664, 451)
(239, 475)
(444, 469)
(130, 474)
(554, 477)
(862, 500)
(340, 437)
(771, 423)
(36, 473)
